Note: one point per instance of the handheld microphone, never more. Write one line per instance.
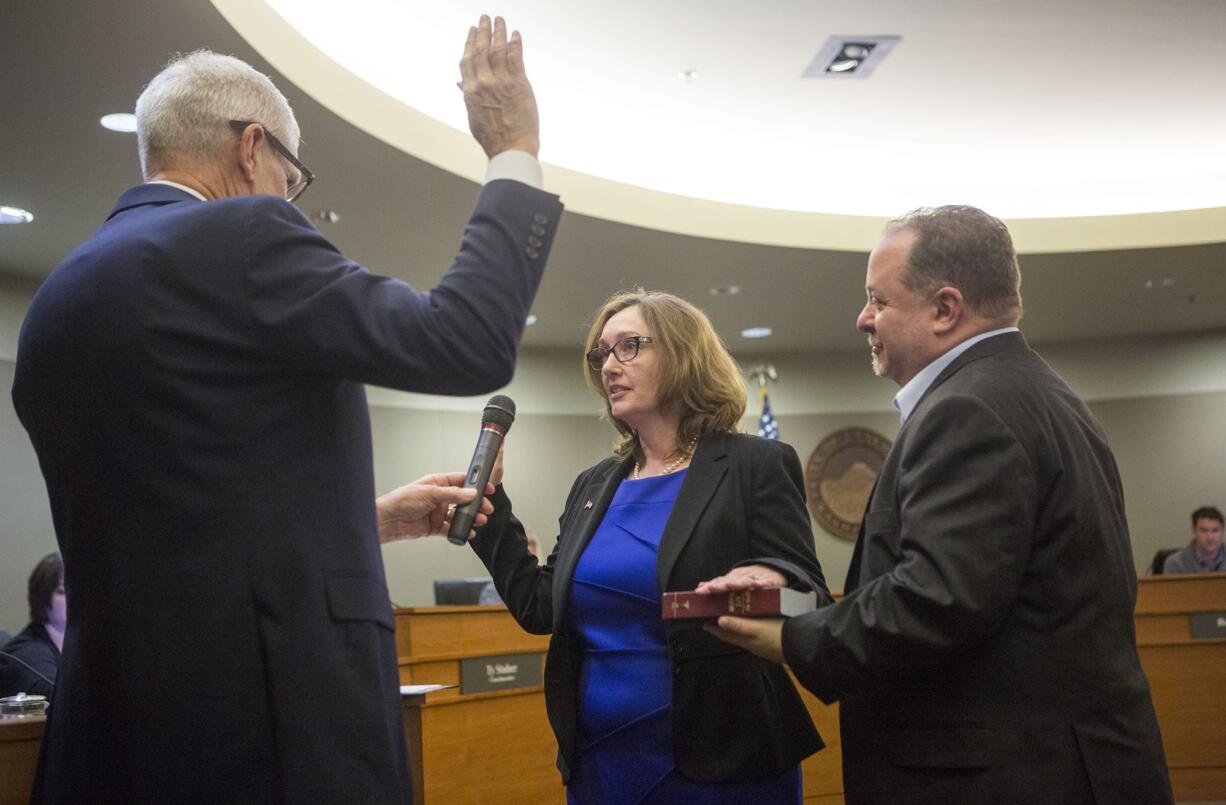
(496, 420)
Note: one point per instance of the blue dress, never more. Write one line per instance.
(625, 735)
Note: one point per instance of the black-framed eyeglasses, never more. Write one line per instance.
(625, 351)
(305, 177)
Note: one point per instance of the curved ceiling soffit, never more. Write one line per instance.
(414, 133)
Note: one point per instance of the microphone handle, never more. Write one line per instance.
(478, 476)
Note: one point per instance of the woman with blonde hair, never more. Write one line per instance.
(647, 710)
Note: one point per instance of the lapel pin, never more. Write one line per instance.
(587, 505)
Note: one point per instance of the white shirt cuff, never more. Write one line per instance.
(519, 166)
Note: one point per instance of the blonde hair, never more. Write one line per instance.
(699, 380)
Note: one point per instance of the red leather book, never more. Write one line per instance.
(776, 602)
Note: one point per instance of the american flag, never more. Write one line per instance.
(768, 428)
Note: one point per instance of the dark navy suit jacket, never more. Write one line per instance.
(191, 378)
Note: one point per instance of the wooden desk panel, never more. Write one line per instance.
(489, 748)
(1168, 629)
(1186, 678)
(476, 748)
(441, 672)
(429, 633)
(1181, 593)
(1198, 785)
(19, 742)
(1186, 683)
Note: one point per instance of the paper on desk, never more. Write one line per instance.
(413, 690)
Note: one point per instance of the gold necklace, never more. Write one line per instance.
(677, 462)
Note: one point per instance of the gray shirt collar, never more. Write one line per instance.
(909, 395)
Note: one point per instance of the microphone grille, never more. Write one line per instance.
(500, 410)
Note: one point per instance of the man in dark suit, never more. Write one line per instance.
(191, 378)
(984, 651)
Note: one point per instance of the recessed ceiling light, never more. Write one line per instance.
(326, 216)
(531, 320)
(849, 56)
(756, 332)
(688, 75)
(725, 290)
(124, 122)
(15, 215)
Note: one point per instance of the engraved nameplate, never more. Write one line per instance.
(499, 672)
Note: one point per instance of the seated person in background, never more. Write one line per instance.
(489, 593)
(1204, 554)
(35, 651)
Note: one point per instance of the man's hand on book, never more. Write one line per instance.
(761, 636)
(747, 577)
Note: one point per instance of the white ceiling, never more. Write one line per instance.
(67, 64)
(1039, 109)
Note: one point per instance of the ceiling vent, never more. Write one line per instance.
(850, 56)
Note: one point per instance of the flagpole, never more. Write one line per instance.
(765, 373)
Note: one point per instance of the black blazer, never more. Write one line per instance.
(191, 378)
(985, 649)
(35, 648)
(735, 715)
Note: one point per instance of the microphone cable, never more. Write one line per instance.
(36, 672)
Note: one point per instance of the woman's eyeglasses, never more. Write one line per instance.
(625, 351)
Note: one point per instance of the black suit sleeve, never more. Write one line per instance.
(780, 533)
(964, 514)
(525, 585)
(324, 313)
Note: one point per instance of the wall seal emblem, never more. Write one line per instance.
(840, 476)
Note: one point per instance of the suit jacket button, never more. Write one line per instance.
(534, 242)
(541, 218)
(531, 252)
(538, 230)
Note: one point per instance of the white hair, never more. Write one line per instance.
(186, 109)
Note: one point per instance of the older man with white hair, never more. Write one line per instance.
(191, 378)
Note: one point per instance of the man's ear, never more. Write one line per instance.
(249, 154)
(948, 309)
